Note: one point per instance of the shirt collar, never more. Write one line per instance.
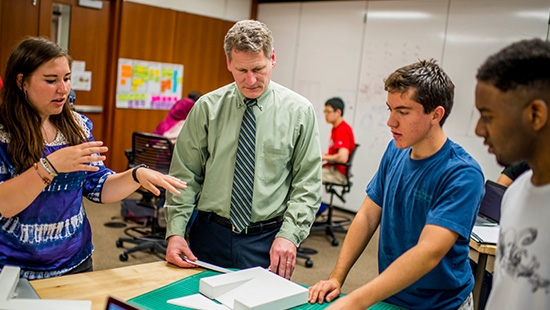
(260, 99)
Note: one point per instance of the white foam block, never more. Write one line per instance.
(197, 301)
(215, 286)
(263, 290)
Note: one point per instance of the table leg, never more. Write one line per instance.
(480, 274)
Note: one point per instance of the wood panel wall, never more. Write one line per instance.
(124, 30)
(13, 28)
(89, 44)
(163, 35)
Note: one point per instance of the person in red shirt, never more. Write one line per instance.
(341, 142)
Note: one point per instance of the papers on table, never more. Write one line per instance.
(486, 233)
(207, 265)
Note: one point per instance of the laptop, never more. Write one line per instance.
(114, 303)
(489, 210)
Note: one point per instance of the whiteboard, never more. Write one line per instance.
(328, 54)
(398, 33)
(476, 30)
(330, 48)
(283, 20)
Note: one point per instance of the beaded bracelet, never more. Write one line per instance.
(47, 167)
(46, 180)
(50, 163)
(135, 170)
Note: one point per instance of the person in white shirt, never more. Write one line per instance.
(513, 98)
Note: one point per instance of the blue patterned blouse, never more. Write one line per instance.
(52, 235)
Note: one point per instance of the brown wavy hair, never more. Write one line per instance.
(21, 121)
(433, 87)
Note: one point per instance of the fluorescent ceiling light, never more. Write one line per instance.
(397, 15)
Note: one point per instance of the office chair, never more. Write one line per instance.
(328, 223)
(305, 254)
(156, 152)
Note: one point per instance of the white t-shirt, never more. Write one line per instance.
(522, 266)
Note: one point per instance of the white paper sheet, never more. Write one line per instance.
(487, 234)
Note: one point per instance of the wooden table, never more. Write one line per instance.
(124, 283)
(484, 251)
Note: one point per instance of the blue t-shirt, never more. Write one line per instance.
(52, 235)
(444, 189)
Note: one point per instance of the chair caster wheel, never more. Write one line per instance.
(118, 244)
(123, 257)
(309, 263)
(335, 242)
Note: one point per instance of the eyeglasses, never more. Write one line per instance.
(328, 111)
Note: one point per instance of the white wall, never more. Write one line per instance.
(232, 10)
(346, 48)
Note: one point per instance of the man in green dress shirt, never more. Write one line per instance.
(287, 174)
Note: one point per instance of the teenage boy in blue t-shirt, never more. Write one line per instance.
(425, 197)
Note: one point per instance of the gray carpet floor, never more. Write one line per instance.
(106, 254)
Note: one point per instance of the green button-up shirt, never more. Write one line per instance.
(287, 178)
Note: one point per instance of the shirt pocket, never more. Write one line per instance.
(275, 164)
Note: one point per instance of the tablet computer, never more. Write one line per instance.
(114, 303)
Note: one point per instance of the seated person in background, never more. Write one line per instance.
(341, 143)
(510, 173)
(171, 126)
(424, 197)
(48, 161)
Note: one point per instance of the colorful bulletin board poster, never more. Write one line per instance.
(148, 85)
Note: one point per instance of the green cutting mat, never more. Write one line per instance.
(156, 300)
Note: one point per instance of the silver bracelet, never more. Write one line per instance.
(46, 166)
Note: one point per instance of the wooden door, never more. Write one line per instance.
(18, 19)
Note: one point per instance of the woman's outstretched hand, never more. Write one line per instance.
(150, 179)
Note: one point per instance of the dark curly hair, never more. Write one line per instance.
(523, 63)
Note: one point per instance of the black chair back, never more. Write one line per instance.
(349, 163)
(153, 150)
(331, 225)
(345, 187)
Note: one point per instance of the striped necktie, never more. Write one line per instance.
(243, 179)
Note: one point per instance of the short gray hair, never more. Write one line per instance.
(249, 36)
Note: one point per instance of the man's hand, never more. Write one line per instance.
(283, 257)
(176, 247)
(324, 291)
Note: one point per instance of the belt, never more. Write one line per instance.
(252, 228)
